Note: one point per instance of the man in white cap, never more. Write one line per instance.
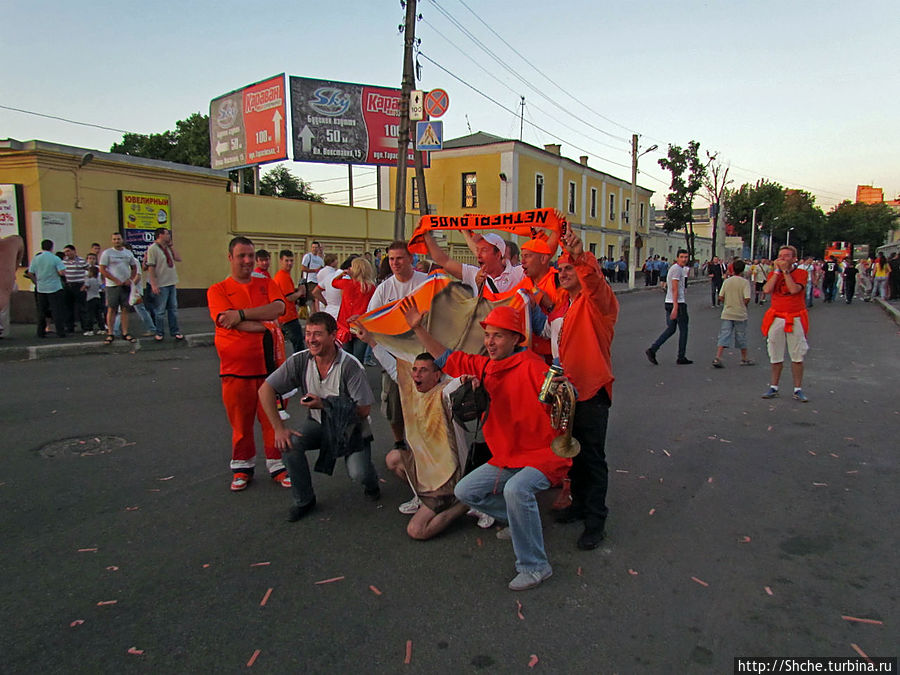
(492, 267)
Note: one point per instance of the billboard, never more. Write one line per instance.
(140, 213)
(248, 126)
(342, 123)
(12, 210)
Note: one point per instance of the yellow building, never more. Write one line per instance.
(74, 196)
(486, 174)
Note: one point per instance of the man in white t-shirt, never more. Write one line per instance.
(400, 284)
(119, 268)
(492, 268)
(311, 263)
(328, 297)
(676, 311)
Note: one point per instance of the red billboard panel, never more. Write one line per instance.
(248, 126)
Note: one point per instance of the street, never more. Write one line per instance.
(738, 526)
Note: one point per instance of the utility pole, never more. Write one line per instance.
(350, 182)
(409, 39)
(522, 119)
(632, 215)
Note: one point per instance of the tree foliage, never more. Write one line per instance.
(280, 182)
(859, 224)
(683, 188)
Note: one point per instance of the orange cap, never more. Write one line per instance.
(537, 246)
(505, 317)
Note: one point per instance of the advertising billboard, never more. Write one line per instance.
(12, 210)
(140, 213)
(248, 126)
(342, 123)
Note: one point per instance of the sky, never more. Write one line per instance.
(804, 93)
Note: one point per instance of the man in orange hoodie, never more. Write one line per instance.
(517, 430)
(582, 326)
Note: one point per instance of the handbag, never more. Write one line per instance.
(469, 403)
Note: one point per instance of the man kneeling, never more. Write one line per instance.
(517, 430)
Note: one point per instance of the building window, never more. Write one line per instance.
(571, 196)
(610, 251)
(538, 191)
(641, 217)
(593, 248)
(593, 202)
(612, 208)
(469, 191)
(627, 213)
(414, 191)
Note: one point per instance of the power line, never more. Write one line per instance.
(355, 187)
(63, 119)
(326, 180)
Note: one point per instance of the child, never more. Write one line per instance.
(94, 308)
(735, 296)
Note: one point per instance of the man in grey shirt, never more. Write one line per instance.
(676, 311)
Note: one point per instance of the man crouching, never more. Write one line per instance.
(517, 430)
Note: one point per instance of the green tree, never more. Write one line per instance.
(859, 224)
(739, 205)
(280, 182)
(804, 220)
(683, 189)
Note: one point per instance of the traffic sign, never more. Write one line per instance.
(429, 135)
(415, 104)
(436, 102)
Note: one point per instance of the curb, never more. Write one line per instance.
(890, 310)
(35, 352)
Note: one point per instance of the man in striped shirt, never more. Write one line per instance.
(76, 273)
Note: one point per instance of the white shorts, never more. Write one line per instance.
(795, 341)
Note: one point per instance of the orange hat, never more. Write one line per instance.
(537, 246)
(505, 317)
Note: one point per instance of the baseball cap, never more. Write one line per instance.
(537, 246)
(505, 317)
(495, 240)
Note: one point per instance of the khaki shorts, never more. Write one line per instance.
(437, 500)
(778, 339)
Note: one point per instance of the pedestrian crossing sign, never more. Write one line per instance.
(429, 135)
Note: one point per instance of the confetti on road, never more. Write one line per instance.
(770, 428)
(331, 580)
(699, 581)
(154, 490)
(166, 478)
(622, 471)
(768, 590)
(260, 564)
(860, 652)
(668, 454)
(112, 568)
(854, 471)
(132, 508)
(858, 620)
(820, 484)
(578, 571)
(744, 540)
(479, 543)
(632, 572)
(253, 659)
(709, 480)
(834, 455)
(811, 452)
(382, 480)
(651, 512)
(135, 651)
(375, 590)
(106, 602)
(848, 438)
(724, 440)
(76, 622)
(519, 611)
(262, 603)
(407, 659)
(87, 550)
(712, 438)
(533, 661)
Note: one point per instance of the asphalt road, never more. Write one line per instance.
(738, 526)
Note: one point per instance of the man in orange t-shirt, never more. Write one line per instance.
(290, 323)
(239, 306)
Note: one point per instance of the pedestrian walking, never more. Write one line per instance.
(676, 311)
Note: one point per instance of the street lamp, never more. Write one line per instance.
(789, 236)
(753, 232)
(632, 254)
(771, 233)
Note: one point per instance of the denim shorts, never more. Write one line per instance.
(733, 330)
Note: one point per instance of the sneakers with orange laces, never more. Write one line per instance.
(283, 479)
(240, 481)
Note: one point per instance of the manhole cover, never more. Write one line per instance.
(87, 446)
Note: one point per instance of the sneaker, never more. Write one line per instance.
(717, 363)
(284, 415)
(771, 393)
(526, 580)
(504, 534)
(297, 512)
(88, 333)
(373, 494)
(681, 361)
(651, 355)
(589, 539)
(484, 520)
(240, 481)
(800, 396)
(748, 362)
(410, 507)
(283, 479)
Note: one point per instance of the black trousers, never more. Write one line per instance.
(54, 303)
(589, 473)
(75, 306)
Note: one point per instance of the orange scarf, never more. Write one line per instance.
(523, 223)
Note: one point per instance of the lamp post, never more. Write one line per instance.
(753, 232)
(789, 236)
(632, 254)
(771, 234)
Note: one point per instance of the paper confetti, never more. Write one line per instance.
(106, 602)
(820, 484)
(834, 455)
(533, 661)
(87, 550)
(205, 565)
(76, 622)
(135, 651)
(770, 428)
(858, 620)
(479, 543)
(253, 658)
(166, 478)
(699, 581)
(854, 471)
(632, 572)
(621, 471)
(328, 581)
(709, 480)
(744, 540)
(112, 568)
(811, 452)
(668, 454)
(154, 490)
(132, 508)
(408, 658)
(374, 590)
(519, 611)
(262, 603)
(768, 590)
(578, 571)
(260, 564)
(651, 512)
(860, 652)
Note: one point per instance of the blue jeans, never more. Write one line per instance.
(509, 495)
(166, 303)
(680, 322)
(359, 464)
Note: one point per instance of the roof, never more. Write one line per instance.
(478, 138)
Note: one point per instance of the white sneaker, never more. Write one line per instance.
(504, 534)
(284, 414)
(88, 333)
(484, 520)
(410, 507)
